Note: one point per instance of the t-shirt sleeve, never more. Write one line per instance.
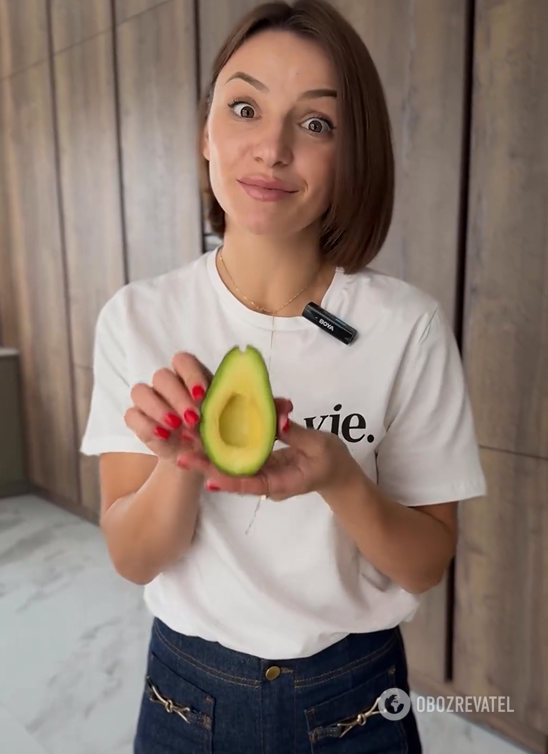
(430, 453)
(106, 430)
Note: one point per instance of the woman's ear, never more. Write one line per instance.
(205, 143)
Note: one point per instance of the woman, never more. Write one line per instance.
(277, 597)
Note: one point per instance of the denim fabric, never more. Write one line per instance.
(201, 698)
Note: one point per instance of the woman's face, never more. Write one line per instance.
(270, 135)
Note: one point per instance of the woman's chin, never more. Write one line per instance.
(266, 230)
(273, 227)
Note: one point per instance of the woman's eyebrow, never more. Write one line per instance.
(311, 93)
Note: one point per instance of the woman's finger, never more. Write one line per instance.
(278, 481)
(194, 459)
(173, 391)
(276, 485)
(161, 441)
(193, 373)
(247, 485)
(283, 408)
(151, 403)
(146, 428)
(191, 458)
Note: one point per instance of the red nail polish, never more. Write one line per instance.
(213, 487)
(173, 420)
(285, 425)
(181, 464)
(197, 392)
(162, 432)
(191, 417)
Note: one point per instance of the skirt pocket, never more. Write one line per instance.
(352, 722)
(175, 715)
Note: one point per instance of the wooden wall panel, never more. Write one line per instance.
(419, 49)
(90, 493)
(8, 319)
(23, 35)
(158, 101)
(126, 9)
(501, 646)
(38, 270)
(427, 637)
(420, 55)
(90, 182)
(74, 21)
(507, 287)
(13, 467)
(216, 22)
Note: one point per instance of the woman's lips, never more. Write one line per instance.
(265, 190)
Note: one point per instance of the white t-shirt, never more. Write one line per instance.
(397, 396)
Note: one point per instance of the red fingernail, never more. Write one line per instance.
(181, 464)
(213, 487)
(190, 416)
(162, 432)
(186, 435)
(285, 425)
(197, 392)
(173, 420)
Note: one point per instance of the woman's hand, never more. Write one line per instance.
(165, 414)
(312, 461)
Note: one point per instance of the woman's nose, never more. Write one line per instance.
(273, 145)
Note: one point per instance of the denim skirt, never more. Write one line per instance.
(202, 698)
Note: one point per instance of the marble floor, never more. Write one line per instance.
(73, 636)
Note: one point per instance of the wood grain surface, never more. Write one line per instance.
(126, 9)
(92, 209)
(506, 319)
(74, 21)
(158, 101)
(501, 648)
(38, 268)
(23, 35)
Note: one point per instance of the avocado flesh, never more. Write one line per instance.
(238, 414)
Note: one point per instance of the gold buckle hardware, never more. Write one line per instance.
(169, 705)
(360, 719)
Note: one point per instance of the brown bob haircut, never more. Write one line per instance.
(356, 224)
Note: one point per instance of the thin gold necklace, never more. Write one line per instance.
(272, 314)
(260, 308)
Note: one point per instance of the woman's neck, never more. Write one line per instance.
(265, 273)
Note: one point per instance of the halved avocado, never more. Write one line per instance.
(238, 414)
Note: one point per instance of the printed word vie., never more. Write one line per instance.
(349, 427)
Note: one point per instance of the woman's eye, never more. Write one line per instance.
(318, 125)
(242, 109)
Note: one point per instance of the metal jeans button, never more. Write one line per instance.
(272, 672)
